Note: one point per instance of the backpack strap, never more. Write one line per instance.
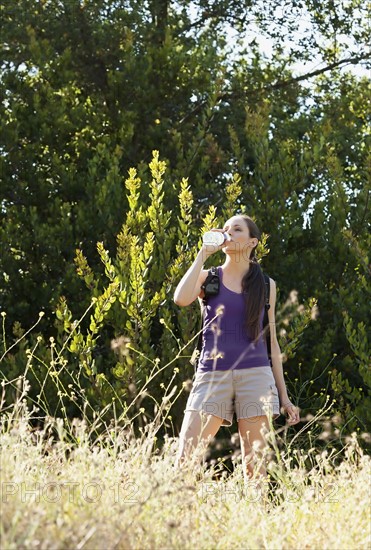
(267, 333)
(213, 272)
(197, 351)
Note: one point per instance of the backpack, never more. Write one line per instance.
(211, 288)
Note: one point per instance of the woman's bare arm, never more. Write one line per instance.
(276, 354)
(286, 405)
(189, 288)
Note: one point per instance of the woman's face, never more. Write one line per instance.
(238, 230)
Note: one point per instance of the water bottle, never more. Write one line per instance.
(215, 238)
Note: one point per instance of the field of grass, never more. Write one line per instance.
(92, 483)
(121, 492)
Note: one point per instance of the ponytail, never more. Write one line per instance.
(253, 287)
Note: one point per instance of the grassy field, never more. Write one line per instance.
(92, 483)
(121, 492)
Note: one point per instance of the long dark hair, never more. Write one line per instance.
(253, 286)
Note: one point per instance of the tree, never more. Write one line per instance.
(89, 89)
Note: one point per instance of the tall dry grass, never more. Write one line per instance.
(118, 491)
(87, 483)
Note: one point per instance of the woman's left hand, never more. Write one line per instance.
(293, 413)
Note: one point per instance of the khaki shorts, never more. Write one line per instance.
(246, 392)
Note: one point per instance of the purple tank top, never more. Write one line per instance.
(225, 344)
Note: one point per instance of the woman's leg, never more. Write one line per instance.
(252, 437)
(195, 434)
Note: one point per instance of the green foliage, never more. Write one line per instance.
(89, 89)
(148, 330)
(355, 400)
(293, 336)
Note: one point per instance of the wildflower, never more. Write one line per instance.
(293, 297)
(132, 388)
(187, 385)
(314, 314)
(120, 345)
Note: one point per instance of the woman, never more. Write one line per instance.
(234, 374)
